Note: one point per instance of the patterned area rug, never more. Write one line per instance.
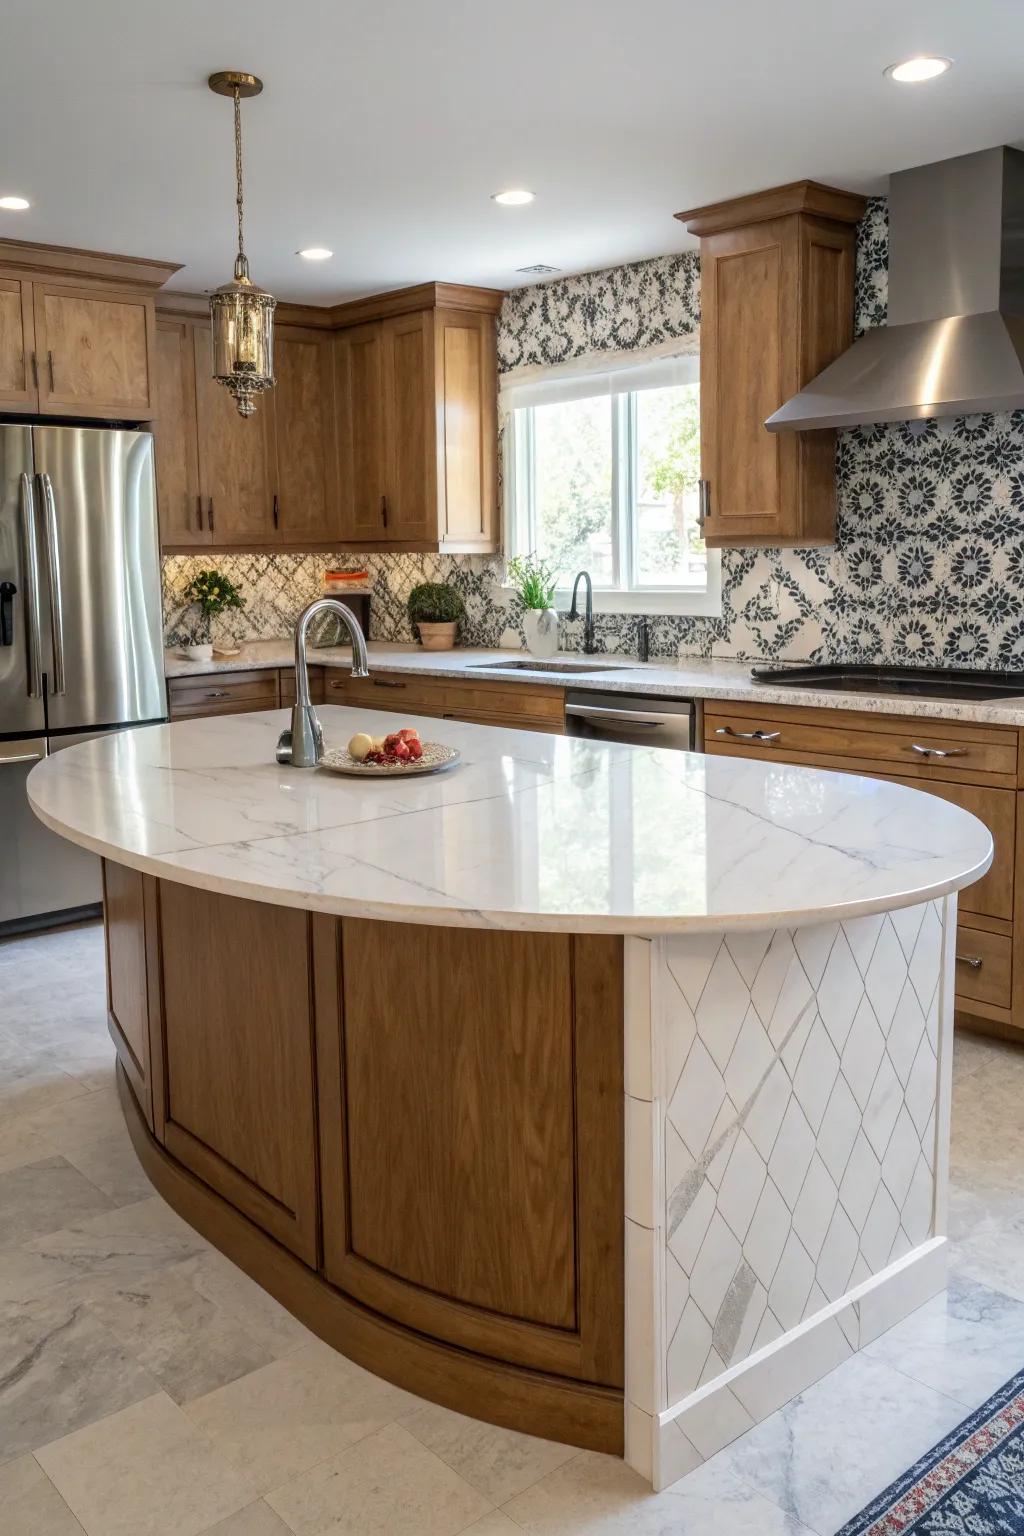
(970, 1484)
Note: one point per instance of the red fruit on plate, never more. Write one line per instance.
(415, 748)
(390, 742)
(401, 751)
(408, 734)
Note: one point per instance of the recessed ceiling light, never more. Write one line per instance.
(925, 67)
(316, 253)
(513, 198)
(14, 204)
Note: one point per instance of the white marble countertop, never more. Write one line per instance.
(689, 677)
(529, 831)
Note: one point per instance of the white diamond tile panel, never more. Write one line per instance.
(798, 1074)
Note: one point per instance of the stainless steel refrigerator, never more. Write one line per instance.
(81, 635)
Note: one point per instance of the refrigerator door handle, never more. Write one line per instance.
(53, 574)
(32, 605)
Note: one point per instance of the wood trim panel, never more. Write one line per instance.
(807, 197)
(405, 301)
(101, 268)
(585, 1343)
(573, 1412)
(436, 696)
(127, 979)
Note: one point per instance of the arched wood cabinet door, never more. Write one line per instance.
(471, 1174)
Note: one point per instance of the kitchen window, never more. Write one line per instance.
(602, 474)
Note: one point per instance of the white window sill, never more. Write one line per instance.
(706, 604)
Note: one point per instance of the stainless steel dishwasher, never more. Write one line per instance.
(630, 717)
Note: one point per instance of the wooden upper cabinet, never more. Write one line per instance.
(777, 289)
(417, 412)
(466, 385)
(237, 468)
(18, 390)
(306, 494)
(182, 515)
(411, 469)
(94, 352)
(359, 381)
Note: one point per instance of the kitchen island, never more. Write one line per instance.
(598, 1091)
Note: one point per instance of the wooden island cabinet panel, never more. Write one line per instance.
(472, 1177)
(237, 1102)
(412, 1136)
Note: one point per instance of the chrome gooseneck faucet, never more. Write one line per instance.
(588, 622)
(303, 745)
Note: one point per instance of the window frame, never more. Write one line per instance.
(520, 518)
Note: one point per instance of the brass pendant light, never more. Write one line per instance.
(242, 314)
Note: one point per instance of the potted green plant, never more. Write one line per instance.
(212, 593)
(535, 582)
(434, 611)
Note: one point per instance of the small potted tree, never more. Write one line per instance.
(434, 611)
(212, 593)
(535, 582)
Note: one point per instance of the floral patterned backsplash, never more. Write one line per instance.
(928, 564)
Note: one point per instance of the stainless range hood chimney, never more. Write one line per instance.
(954, 342)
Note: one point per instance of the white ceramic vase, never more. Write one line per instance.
(541, 626)
(197, 652)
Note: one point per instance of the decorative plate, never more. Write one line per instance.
(434, 760)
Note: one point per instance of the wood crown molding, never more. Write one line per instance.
(809, 197)
(68, 262)
(336, 317)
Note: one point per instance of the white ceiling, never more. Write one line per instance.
(386, 125)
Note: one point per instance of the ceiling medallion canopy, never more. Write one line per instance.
(242, 314)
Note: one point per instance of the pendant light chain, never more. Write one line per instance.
(238, 177)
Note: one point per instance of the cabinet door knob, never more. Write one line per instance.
(727, 730)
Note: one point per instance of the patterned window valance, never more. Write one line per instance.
(669, 362)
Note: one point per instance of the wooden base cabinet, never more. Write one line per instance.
(777, 284)
(983, 773)
(429, 1120)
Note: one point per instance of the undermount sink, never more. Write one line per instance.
(552, 666)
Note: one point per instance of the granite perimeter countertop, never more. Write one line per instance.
(687, 678)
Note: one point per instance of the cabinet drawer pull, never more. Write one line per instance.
(49, 364)
(199, 514)
(218, 693)
(727, 730)
(938, 751)
(209, 515)
(703, 503)
(974, 961)
(277, 512)
(384, 510)
(387, 682)
(35, 371)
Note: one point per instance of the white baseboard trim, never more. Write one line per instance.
(693, 1430)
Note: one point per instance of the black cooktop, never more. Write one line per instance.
(913, 682)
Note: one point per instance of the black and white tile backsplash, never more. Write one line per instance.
(928, 564)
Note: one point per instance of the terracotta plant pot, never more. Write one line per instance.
(437, 637)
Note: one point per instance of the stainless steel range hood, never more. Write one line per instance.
(954, 344)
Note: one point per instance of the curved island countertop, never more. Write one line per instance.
(529, 832)
(599, 1091)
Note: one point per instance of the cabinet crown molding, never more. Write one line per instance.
(807, 197)
(337, 317)
(30, 259)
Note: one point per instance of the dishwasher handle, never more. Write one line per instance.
(649, 719)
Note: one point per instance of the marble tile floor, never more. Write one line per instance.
(148, 1388)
